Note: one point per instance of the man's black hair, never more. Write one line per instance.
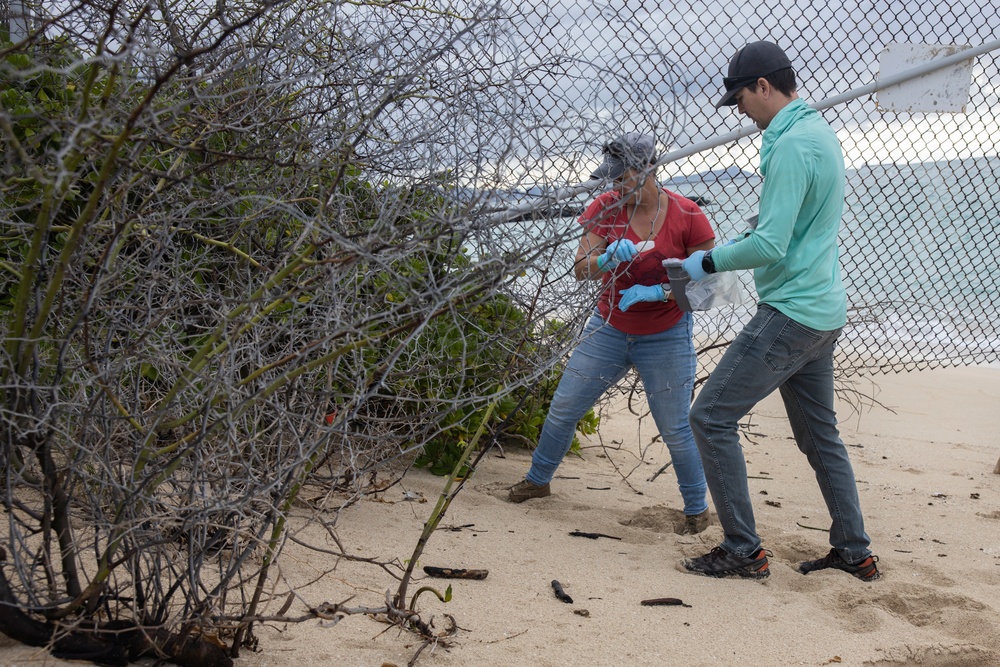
(783, 81)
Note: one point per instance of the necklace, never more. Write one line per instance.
(656, 216)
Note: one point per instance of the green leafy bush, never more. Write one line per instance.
(519, 416)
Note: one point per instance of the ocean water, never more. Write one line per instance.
(920, 259)
(920, 251)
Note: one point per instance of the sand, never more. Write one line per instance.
(924, 453)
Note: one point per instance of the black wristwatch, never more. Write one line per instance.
(707, 263)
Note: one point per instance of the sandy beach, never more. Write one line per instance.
(924, 453)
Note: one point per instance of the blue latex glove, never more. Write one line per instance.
(619, 251)
(693, 265)
(638, 293)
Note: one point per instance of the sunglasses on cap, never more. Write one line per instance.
(731, 82)
(614, 149)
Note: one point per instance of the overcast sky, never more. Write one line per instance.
(657, 66)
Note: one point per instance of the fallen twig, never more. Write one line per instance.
(456, 529)
(503, 639)
(660, 471)
(592, 536)
(802, 525)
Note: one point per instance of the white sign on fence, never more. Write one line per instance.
(945, 90)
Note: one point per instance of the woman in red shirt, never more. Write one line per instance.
(628, 232)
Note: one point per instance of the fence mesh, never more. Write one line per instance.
(919, 238)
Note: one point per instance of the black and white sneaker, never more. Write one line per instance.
(720, 563)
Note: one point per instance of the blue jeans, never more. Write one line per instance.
(775, 352)
(665, 363)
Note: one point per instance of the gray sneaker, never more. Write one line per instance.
(694, 524)
(524, 490)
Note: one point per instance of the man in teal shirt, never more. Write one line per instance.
(789, 343)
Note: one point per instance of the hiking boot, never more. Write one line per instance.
(524, 490)
(720, 563)
(865, 569)
(694, 524)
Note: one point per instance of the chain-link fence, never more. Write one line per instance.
(920, 231)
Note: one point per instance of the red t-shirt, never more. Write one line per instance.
(685, 227)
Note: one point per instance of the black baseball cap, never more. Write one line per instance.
(750, 63)
(629, 151)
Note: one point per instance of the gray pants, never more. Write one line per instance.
(775, 352)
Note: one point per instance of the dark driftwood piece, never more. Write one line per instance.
(560, 593)
(454, 573)
(664, 602)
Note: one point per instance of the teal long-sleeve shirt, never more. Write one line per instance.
(793, 250)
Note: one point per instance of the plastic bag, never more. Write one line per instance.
(715, 290)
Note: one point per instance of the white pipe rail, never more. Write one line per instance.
(926, 68)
